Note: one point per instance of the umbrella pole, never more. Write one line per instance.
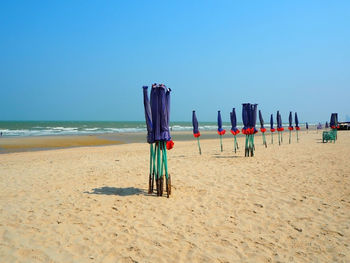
(246, 146)
(154, 171)
(167, 176)
(199, 146)
(221, 143)
(290, 136)
(271, 137)
(279, 138)
(235, 143)
(252, 146)
(150, 169)
(264, 140)
(161, 178)
(158, 168)
(297, 136)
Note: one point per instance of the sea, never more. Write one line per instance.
(48, 128)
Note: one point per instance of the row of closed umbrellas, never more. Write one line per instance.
(249, 118)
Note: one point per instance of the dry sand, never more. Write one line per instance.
(289, 203)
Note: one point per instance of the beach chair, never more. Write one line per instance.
(329, 136)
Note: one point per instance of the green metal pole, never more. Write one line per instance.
(150, 190)
(158, 168)
(150, 158)
(297, 136)
(221, 143)
(279, 138)
(235, 143)
(271, 137)
(165, 160)
(199, 146)
(290, 136)
(167, 176)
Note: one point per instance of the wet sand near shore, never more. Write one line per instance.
(20, 144)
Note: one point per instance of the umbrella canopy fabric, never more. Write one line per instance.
(272, 129)
(233, 119)
(279, 122)
(164, 95)
(254, 111)
(160, 106)
(148, 115)
(245, 116)
(334, 120)
(196, 132)
(307, 126)
(296, 120)
(262, 128)
(290, 127)
(221, 131)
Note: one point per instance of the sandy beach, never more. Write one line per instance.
(289, 203)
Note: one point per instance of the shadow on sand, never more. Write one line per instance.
(106, 190)
(228, 157)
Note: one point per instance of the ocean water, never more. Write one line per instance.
(47, 128)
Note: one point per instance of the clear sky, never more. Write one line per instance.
(88, 60)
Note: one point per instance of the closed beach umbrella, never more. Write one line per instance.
(290, 127)
(254, 113)
(148, 115)
(307, 127)
(150, 136)
(234, 129)
(221, 131)
(262, 128)
(253, 130)
(249, 115)
(160, 108)
(155, 112)
(246, 129)
(297, 128)
(334, 121)
(326, 125)
(280, 128)
(272, 129)
(196, 132)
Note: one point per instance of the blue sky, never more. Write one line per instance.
(88, 60)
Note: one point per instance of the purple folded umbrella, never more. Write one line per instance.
(220, 129)
(233, 122)
(271, 124)
(195, 124)
(279, 122)
(262, 128)
(160, 106)
(148, 115)
(296, 121)
(334, 120)
(253, 112)
(245, 117)
(290, 127)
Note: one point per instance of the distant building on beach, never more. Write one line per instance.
(345, 125)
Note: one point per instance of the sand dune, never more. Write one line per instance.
(289, 203)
